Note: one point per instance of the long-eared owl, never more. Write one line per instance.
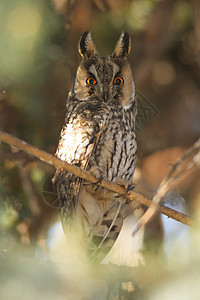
(98, 135)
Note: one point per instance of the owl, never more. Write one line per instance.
(98, 135)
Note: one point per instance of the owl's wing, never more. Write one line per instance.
(83, 125)
(69, 185)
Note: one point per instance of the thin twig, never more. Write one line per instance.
(59, 164)
(109, 229)
(183, 165)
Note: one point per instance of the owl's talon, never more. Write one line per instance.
(99, 181)
(95, 171)
(86, 184)
(122, 198)
(128, 186)
(96, 188)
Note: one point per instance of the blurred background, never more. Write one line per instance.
(38, 61)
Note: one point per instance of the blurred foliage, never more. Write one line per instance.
(38, 61)
(71, 278)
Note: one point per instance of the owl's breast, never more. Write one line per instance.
(115, 153)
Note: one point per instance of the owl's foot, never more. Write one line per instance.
(129, 186)
(95, 171)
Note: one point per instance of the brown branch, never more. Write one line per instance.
(59, 164)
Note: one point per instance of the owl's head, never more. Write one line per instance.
(108, 79)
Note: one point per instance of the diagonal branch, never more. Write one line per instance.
(183, 165)
(59, 164)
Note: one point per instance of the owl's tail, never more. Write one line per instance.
(68, 188)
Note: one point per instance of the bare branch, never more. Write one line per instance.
(183, 165)
(59, 164)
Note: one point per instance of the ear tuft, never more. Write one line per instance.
(86, 46)
(123, 45)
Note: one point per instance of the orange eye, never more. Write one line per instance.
(118, 80)
(90, 81)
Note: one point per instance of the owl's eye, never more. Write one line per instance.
(90, 81)
(118, 80)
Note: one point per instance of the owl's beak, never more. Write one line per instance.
(105, 95)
